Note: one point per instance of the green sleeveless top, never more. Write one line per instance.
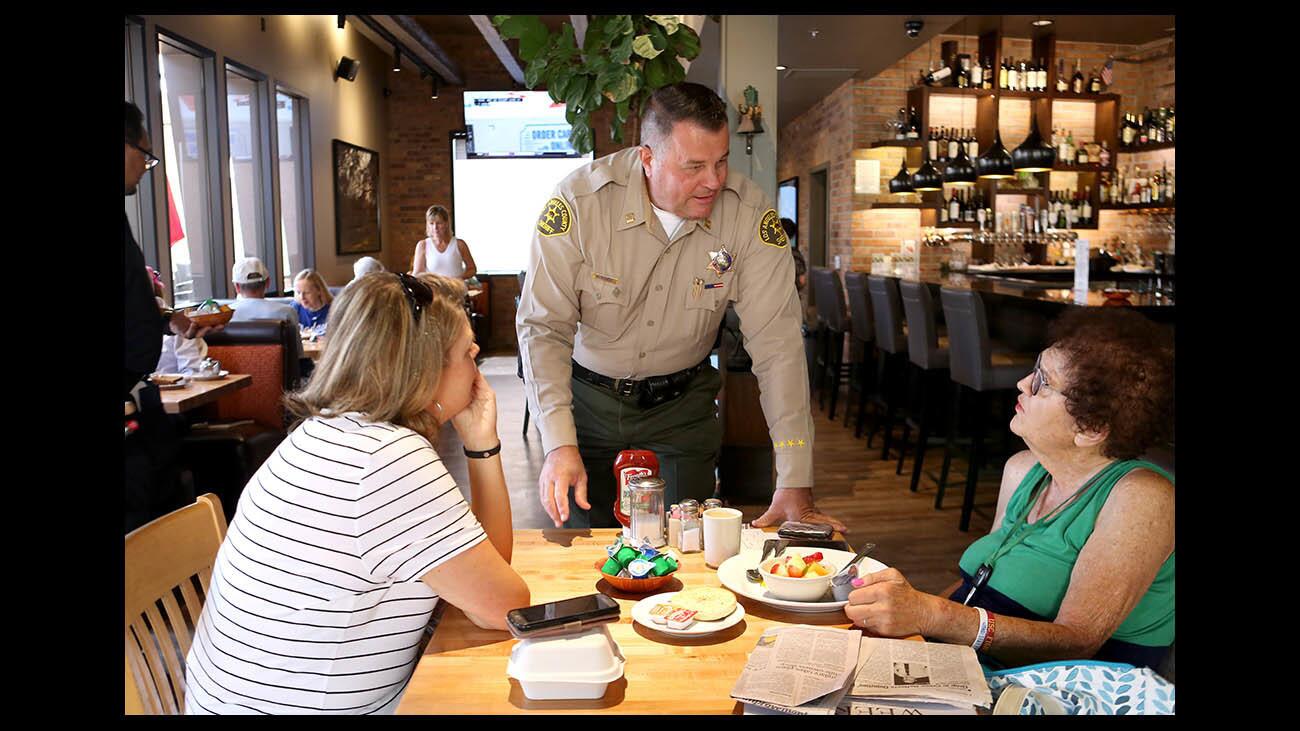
(1036, 572)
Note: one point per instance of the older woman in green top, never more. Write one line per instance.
(1080, 562)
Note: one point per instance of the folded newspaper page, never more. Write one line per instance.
(790, 666)
(905, 708)
(828, 705)
(921, 671)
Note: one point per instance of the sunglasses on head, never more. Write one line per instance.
(418, 294)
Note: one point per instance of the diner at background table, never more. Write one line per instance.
(441, 252)
(311, 301)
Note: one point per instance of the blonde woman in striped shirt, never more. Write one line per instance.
(351, 532)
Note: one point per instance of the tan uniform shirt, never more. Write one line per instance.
(607, 288)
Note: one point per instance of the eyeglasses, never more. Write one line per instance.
(1039, 379)
(417, 293)
(150, 162)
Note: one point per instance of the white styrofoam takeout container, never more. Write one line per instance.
(567, 667)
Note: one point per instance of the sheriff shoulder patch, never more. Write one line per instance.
(555, 219)
(770, 230)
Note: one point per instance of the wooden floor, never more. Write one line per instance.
(853, 484)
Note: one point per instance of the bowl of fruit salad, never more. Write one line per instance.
(798, 576)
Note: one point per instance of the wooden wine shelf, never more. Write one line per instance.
(1009, 94)
(954, 91)
(1136, 206)
(1149, 147)
(897, 143)
(916, 206)
(1059, 168)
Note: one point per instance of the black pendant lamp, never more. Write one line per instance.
(995, 163)
(926, 178)
(901, 183)
(1033, 156)
(960, 171)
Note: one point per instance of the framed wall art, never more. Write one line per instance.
(356, 199)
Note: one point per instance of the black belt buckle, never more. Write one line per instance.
(625, 387)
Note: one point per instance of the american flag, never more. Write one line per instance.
(1106, 71)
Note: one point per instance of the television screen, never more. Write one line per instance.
(515, 124)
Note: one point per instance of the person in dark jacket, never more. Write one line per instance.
(150, 475)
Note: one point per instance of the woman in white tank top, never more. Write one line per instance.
(442, 253)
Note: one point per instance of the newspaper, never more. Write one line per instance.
(922, 672)
(791, 666)
(906, 708)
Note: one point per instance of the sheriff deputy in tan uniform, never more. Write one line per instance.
(633, 262)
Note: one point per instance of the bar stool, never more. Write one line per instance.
(830, 309)
(862, 372)
(929, 357)
(888, 309)
(971, 364)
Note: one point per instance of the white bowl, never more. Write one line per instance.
(803, 589)
(568, 667)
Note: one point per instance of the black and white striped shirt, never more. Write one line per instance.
(316, 603)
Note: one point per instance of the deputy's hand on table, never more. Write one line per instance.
(477, 423)
(563, 468)
(795, 503)
(886, 604)
(183, 326)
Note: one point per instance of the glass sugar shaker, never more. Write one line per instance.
(692, 527)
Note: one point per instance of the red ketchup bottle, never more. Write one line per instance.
(631, 463)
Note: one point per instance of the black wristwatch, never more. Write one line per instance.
(484, 454)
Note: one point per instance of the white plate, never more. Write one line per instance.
(732, 575)
(641, 615)
(217, 377)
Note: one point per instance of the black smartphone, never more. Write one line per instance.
(809, 531)
(566, 615)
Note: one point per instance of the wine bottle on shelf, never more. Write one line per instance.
(1126, 132)
(1103, 155)
(943, 209)
(1071, 150)
(976, 75)
(1170, 134)
(939, 76)
(1062, 218)
(1103, 189)
(1013, 77)
(1062, 83)
(1042, 74)
(963, 74)
(1094, 82)
(988, 77)
(1081, 156)
(972, 145)
(914, 125)
(981, 209)
(931, 143)
(1026, 78)
(954, 207)
(952, 145)
(1086, 213)
(1076, 81)
(1143, 136)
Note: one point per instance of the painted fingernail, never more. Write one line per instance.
(859, 582)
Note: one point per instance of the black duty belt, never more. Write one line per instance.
(650, 391)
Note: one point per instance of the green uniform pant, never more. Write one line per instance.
(684, 433)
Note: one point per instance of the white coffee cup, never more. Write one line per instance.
(721, 535)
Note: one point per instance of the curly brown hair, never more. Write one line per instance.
(1120, 374)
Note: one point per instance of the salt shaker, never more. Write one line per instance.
(692, 536)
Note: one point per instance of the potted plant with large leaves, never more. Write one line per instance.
(623, 59)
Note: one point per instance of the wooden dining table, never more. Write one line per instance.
(197, 393)
(463, 669)
(313, 348)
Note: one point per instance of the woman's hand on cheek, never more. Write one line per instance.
(886, 605)
(477, 422)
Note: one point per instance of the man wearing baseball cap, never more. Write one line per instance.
(251, 277)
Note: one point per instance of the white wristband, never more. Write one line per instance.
(983, 630)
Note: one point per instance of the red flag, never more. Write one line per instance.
(175, 232)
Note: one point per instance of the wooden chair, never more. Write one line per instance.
(164, 558)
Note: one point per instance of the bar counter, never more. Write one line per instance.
(1019, 311)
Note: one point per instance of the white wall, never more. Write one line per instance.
(749, 44)
(301, 52)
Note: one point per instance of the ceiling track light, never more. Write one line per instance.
(435, 87)
(1042, 22)
(397, 58)
(343, 19)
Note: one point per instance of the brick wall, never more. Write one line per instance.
(852, 116)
